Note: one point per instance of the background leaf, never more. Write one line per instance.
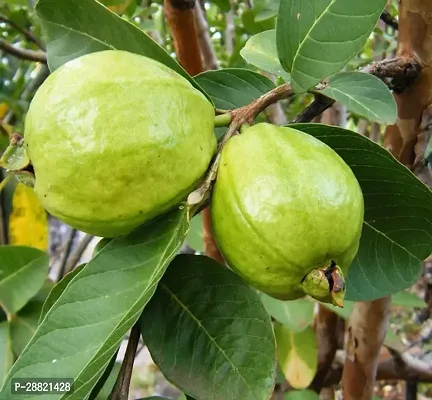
(6, 355)
(234, 87)
(23, 325)
(397, 232)
(195, 236)
(297, 355)
(28, 222)
(363, 94)
(99, 305)
(326, 35)
(297, 315)
(77, 27)
(260, 50)
(23, 271)
(301, 395)
(406, 299)
(209, 333)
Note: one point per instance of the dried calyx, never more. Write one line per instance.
(16, 160)
(324, 284)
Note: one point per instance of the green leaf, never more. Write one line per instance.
(269, 10)
(234, 87)
(397, 232)
(297, 355)
(86, 325)
(296, 314)
(394, 341)
(260, 50)
(301, 395)
(23, 325)
(316, 38)
(209, 333)
(57, 290)
(253, 26)
(406, 299)
(224, 5)
(195, 238)
(110, 382)
(153, 398)
(6, 355)
(76, 27)
(23, 271)
(363, 94)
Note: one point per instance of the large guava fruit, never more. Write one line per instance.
(116, 139)
(287, 213)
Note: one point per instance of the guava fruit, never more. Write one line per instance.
(116, 139)
(287, 213)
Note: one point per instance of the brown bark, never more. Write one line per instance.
(393, 366)
(24, 54)
(208, 53)
(326, 330)
(366, 333)
(181, 20)
(415, 42)
(369, 320)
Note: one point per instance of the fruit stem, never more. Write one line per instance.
(223, 119)
(244, 127)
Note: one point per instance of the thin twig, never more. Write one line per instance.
(319, 105)
(240, 116)
(29, 35)
(389, 20)
(398, 67)
(76, 255)
(121, 387)
(24, 54)
(401, 68)
(68, 247)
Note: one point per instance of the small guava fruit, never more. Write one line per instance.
(287, 213)
(116, 139)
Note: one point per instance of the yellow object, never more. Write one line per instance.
(28, 223)
(117, 6)
(3, 110)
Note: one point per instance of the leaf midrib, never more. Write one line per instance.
(151, 286)
(309, 31)
(198, 322)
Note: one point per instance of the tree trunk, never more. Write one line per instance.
(369, 319)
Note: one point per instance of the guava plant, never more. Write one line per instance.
(120, 142)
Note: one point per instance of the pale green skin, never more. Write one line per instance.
(283, 204)
(115, 140)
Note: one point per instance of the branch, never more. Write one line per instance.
(398, 367)
(181, 20)
(21, 53)
(239, 116)
(319, 105)
(326, 331)
(404, 70)
(66, 254)
(77, 254)
(207, 50)
(389, 20)
(121, 387)
(29, 35)
(366, 333)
